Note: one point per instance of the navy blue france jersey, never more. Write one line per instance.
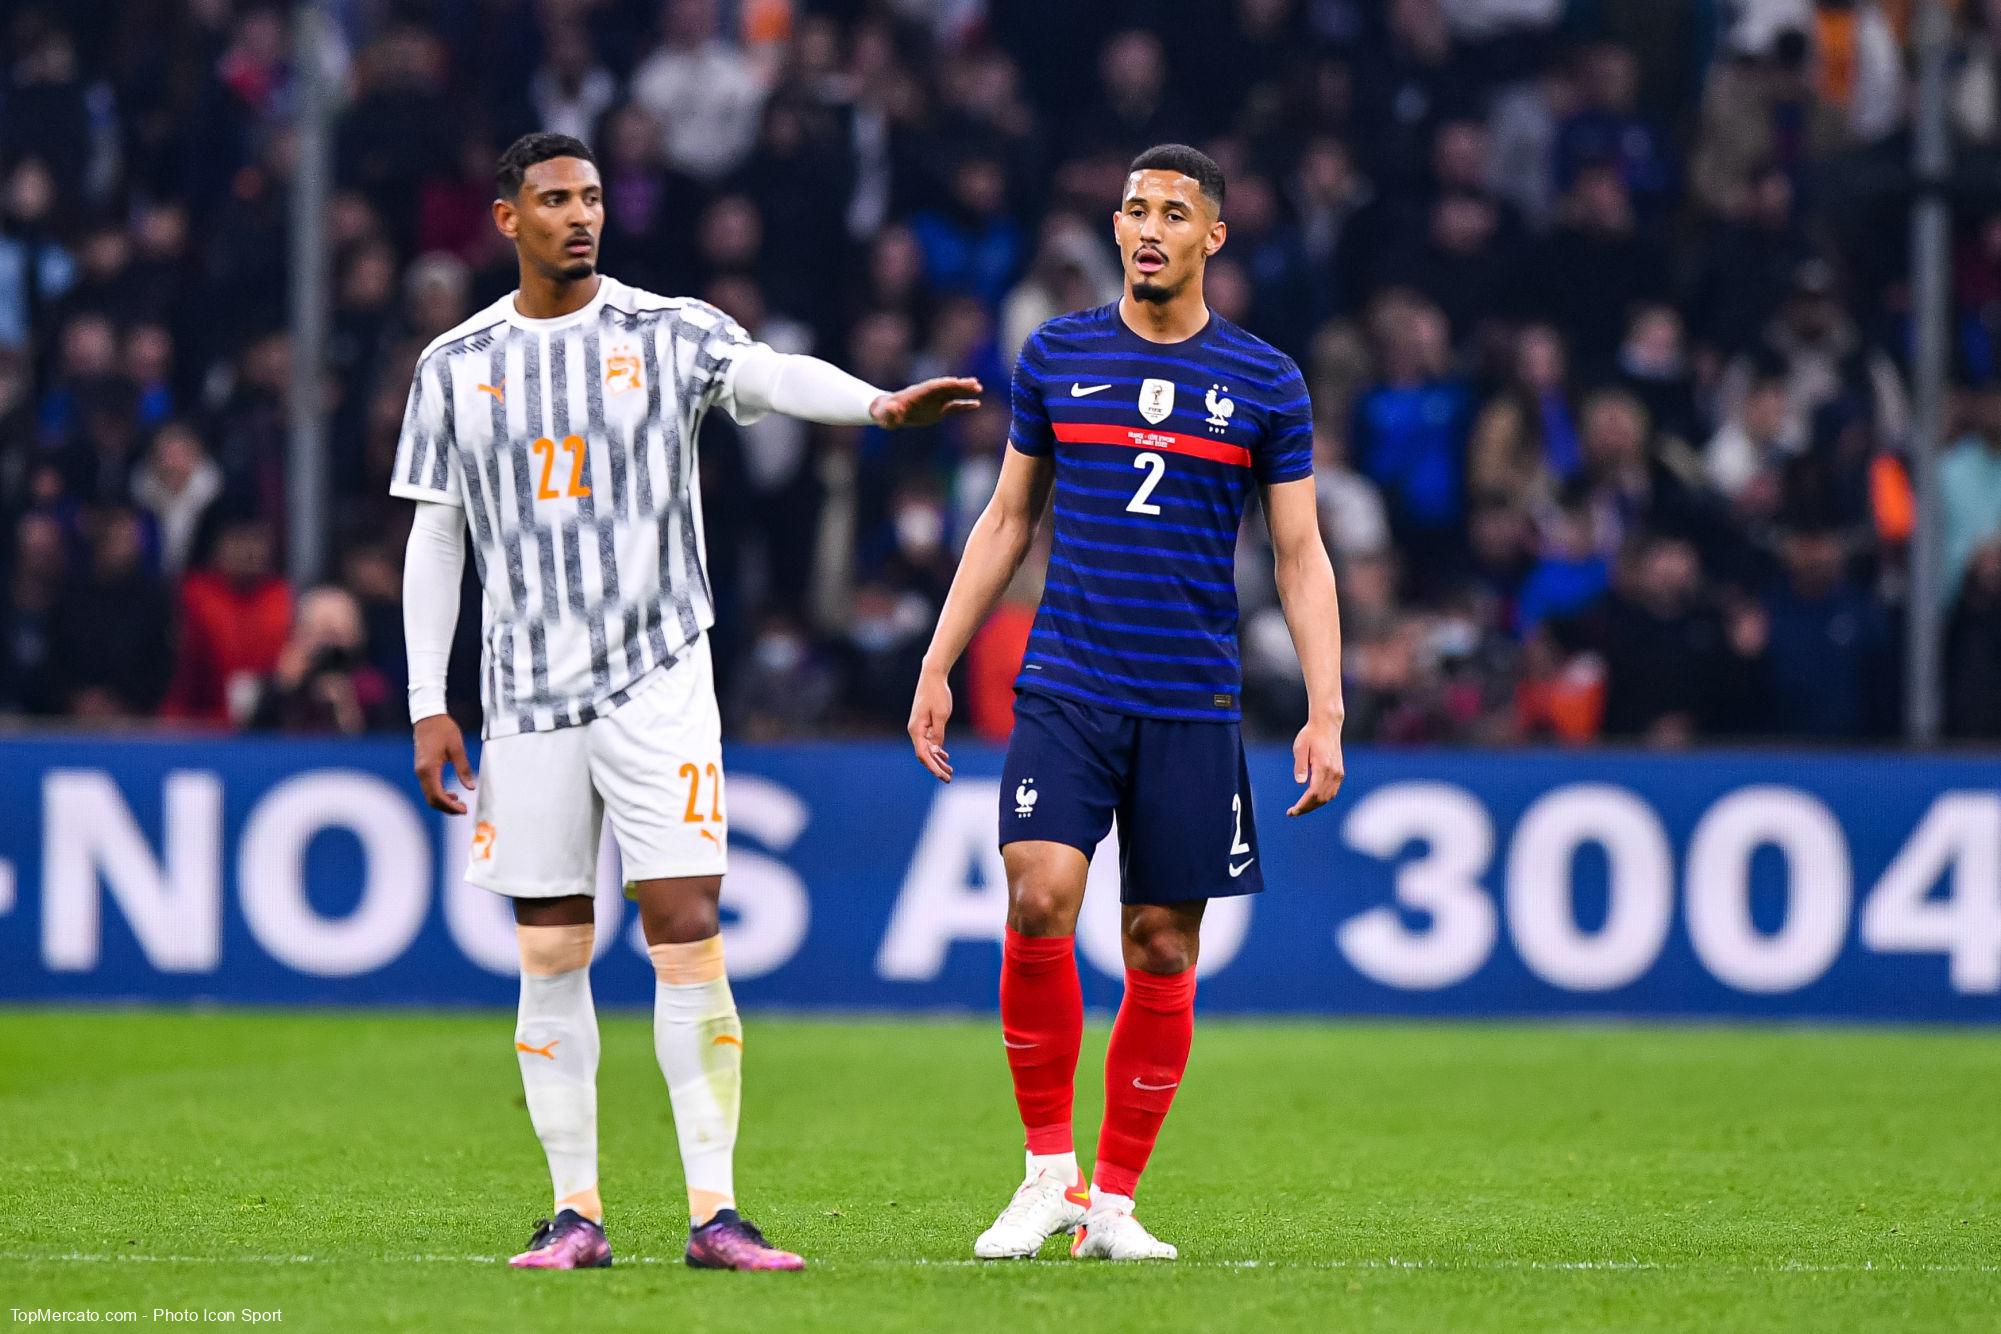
(1157, 448)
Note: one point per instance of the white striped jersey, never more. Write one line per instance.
(570, 445)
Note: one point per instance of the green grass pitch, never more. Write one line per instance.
(367, 1171)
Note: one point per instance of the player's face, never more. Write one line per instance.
(557, 218)
(1166, 231)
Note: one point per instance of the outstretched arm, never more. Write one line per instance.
(819, 391)
(1306, 591)
(994, 551)
(431, 566)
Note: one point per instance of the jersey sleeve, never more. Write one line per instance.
(719, 341)
(1031, 432)
(1286, 452)
(427, 456)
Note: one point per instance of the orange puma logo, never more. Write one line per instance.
(548, 1051)
(482, 841)
(709, 836)
(499, 390)
(622, 366)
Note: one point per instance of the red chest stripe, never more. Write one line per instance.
(1170, 442)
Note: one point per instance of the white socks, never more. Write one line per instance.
(556, 1043)
(1063, 1164)
(699, 1041)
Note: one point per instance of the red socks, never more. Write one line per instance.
(1042, 1022)
(1148, 1056)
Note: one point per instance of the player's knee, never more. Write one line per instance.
(1157, 945)
(1041, 908)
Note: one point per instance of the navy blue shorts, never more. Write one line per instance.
(1180, 791)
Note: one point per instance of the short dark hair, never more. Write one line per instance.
(1193, 163)
(530, 149)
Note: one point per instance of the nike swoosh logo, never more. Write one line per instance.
(1085, 391)
(1016, 1046)
(1236, 870)
(1138, 1083)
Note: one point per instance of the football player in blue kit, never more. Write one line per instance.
(1151, 420)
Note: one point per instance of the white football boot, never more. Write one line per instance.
(1110, 1232)
(1050, 1201)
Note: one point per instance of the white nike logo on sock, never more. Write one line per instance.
(1138, 1083)
(1016, 1045)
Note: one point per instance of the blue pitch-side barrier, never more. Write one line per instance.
(1813, 885)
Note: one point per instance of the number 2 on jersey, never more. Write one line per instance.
(573, 445)
(1156, 468)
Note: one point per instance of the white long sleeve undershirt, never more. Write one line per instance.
(798, 386)
(431, 567)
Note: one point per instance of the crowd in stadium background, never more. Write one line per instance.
(1606, 344)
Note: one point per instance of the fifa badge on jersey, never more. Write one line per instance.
(1156, 400)
(621, 370)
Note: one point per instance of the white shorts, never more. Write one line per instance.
(654, 765)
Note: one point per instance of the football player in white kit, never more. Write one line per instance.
(558, 425)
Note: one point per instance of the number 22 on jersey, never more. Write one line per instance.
(545, 448)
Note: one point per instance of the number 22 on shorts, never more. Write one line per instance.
(694, 813)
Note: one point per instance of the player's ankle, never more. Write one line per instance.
(1109, 1202)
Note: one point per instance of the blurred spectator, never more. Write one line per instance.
(1571, 573)
(372, 574)
(1753, 446)
(1654, 368)
(701, 90)
(1666, 656)
(1746, 264)
(111, 631)
(1598, 265)
(1134, 109)
(235, 612)
(1608, 130)
(572, 88)
(28, 679)
(971, 245)
(35, 270)
(1824, 358)
(783, 688)
(1970, 487)
(1338, 215)
(322, 681)
(1827, 646)
(1353, 519)
(1410, 429)
(1070, 272)
(1525, 445)
(1973, 650)
(175, 487)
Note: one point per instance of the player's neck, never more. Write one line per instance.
(541, 298)
(1175, 320)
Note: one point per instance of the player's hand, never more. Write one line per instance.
(440, 742)
(1317, 762)
(925, 404)
(929, 712)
